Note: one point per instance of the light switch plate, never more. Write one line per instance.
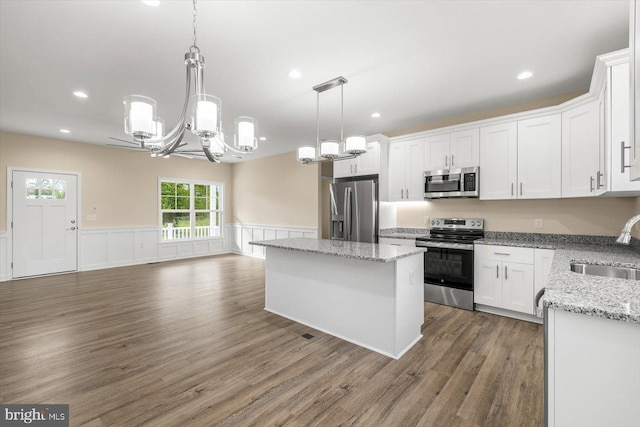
(538, 223)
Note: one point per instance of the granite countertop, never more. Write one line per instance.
(356, 250)
(617, 299)
(403, 233)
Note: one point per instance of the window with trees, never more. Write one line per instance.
(190, 209)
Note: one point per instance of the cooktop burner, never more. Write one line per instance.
(454, 231)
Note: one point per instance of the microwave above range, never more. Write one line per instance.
(448, 183)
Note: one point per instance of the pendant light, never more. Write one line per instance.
(329, 150)
(205, 121)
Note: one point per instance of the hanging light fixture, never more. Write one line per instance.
(141, 122)
(329, 150)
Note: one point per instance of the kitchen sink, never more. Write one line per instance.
(606, 271)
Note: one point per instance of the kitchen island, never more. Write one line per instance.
(365, 293)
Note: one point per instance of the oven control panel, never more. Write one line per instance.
(458, 223)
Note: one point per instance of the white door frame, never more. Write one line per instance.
(10, 170)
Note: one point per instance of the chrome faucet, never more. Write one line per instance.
(625, 236)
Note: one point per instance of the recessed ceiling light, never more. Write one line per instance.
(65, 131)
(295, 74)
(524, 75)
(263, 138)
(153, 3)
(375, 115)
(80, 94)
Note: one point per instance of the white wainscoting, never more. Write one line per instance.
(4, 256)
(114, 247)
(240, 235)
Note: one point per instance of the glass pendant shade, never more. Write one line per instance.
(329, 149)
(245, 133)
(355, 145)
(217, 146)
(139, 112)
(205, 115)
(158, 125)
(306, 154)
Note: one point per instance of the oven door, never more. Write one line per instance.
(449, 267)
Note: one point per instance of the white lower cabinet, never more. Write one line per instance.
(504, 278)
(592, 371)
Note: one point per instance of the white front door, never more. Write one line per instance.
(44, 223)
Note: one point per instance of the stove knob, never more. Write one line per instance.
(473, 223)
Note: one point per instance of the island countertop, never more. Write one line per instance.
(345, 249)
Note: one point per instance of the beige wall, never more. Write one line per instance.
(276, 191)
(589, 216)
(486, 114)
(121, 184)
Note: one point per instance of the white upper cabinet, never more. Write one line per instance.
(521, 160)
(365, 164)
(581, 175)
(464, 149)
(539, 158)
(618, 145)
(452, 150)
(406, 170)
(634, 61)
(498, 161)
(342, 168)
(436, 152)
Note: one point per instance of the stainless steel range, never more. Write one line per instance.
(448, 262)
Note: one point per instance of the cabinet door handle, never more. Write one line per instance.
(521, 188)
(501, 253)
(505, 273)
(452, 160)
(622, 148)
(512, 189)
(591, 184)
(446, 160)
(355, 168)
(401, 194)
(406, 193)
(497, 271)
(599, 185)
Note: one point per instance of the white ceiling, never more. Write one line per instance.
(412, 61)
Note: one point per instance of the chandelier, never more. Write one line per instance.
(330, 150)
(203, 120)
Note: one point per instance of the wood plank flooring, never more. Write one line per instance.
(187, 343)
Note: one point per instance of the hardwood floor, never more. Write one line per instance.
(187, 343)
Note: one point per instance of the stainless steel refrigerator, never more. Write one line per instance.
(354, 210)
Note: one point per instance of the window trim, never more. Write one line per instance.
(192, 210)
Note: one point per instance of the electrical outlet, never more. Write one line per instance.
(426, 220)
(538, 222)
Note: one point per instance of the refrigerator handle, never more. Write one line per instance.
(334, 206)
(347, 213)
